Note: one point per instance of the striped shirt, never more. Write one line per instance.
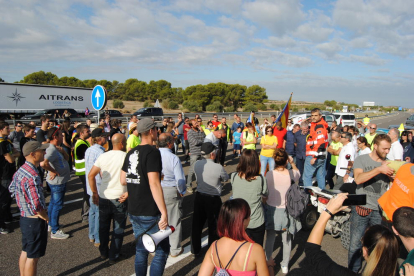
(26, 186)
(195, 139)
(91, 155)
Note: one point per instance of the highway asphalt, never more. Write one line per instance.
(77, 256)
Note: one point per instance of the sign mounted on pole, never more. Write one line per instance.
(98, 98)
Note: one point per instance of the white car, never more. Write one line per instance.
(345, 119)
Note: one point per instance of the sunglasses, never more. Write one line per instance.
(18, 125)
(269, 130)
(373, 128)
(343, 136)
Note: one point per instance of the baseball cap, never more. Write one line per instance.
(207, 148)
(99, 132)
(33, 146)
(145, 124)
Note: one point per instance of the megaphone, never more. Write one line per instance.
(151, 241)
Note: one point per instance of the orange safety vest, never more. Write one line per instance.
(401, 192)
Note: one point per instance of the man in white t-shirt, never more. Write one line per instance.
(111, 197)
(345, 160)
(396, 151)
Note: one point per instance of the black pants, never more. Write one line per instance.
(85, 205)
(300, 163)
(5, 203)
(206, 207)
(257, 234)
(223, 146)
(330, 173)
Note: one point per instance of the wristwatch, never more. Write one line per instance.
(326, 210)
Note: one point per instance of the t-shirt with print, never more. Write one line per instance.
(138, 163)
(237, 138)
(266, 140)
(6, 169)
(376, 186)
(58, 162)
(348, 149)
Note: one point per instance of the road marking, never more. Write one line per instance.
(185, 254)
(67, 202)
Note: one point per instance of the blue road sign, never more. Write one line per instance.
(98, 97)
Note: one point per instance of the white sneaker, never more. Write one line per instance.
(285, 269)
(59, 235)
(49, 228)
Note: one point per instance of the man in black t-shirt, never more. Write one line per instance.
(7, 168)
(141, 172)
(41, 137)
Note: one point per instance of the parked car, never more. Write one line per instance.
(410, 121)
(112, 113)
(345, 119)
(50, 112)
(154, 112)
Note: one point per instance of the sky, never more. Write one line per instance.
(346, 50)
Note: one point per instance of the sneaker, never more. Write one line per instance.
(178, 254)
(190, 190)
(91, 240)
(49, 228)
(97, 244)
(285, 269)
(4, 230)
(59, 235)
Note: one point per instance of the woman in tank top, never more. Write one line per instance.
(234, 253)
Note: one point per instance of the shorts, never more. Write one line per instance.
(34, 236)
(236, 146)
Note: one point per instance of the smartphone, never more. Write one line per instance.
(355, 200)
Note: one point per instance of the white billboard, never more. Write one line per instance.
(368, 104)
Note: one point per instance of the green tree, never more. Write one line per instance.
(1, 80)
(215, 107)
(148, 104)
(255, 94)
(41, 78)
(118, 104)
(273, 106)
(173, 105)
(261, 106)
(192, 106)
(250, 107)
(329, 103)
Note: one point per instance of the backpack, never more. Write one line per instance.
(296, 199)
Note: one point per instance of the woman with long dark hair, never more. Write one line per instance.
(234, 252)
(379, 247)
(249, 137)
(363, 146)
(248, 184)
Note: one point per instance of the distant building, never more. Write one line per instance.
(368, 104)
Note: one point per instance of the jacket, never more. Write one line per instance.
(317, 140)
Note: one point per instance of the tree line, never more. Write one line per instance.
(210, 97)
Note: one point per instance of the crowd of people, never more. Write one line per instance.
(135, 172)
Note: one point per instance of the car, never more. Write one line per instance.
(345, 119)
(111, 112)
(154, 112)
(50, 112)
(410, 121)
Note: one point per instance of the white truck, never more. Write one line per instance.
(21, 99)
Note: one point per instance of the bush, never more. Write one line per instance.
(173, 105)
(215, 107)
(118, 104)
(192, 106)
(229, 109)
(250, 107)
(148, 104)
(128, 98)
(273, 106)
(262, 107)
(165, 103)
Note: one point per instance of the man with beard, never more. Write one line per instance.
(372, 178)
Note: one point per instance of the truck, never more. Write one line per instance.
(18, 99)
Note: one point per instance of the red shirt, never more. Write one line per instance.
(186, 128)
(281, 136)
(215, 124)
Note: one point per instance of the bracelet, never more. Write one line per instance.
(329, 212)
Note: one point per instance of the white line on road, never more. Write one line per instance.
(185, 254)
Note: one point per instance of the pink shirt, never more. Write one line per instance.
(278, 184)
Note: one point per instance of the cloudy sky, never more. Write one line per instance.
(347, 50)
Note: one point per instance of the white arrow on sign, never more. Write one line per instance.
(97, 95)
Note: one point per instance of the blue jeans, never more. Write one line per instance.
(94, 221)
(181, 138)
(140, 224)
(263, 163)
(358, 225)
(111, 210)
(319, 167)
(55, 204)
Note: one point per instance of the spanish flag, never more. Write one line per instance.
(251, 120)
(284, 115)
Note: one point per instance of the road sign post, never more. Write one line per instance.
(98, 98)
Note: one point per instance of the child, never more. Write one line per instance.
(237, 142)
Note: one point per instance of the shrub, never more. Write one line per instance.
(173, 105)
(148, 104)
(215, 107)
(165, 103)
(261, 107)
(273, 106)
(192, 106)
(118, 104)
(229, 109)
(250, 107)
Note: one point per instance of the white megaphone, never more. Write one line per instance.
(151, 241)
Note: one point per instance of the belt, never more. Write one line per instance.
(203, 194)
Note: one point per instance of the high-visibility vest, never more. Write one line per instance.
(366, 120)
(80, 163)
(401, 192)
(220, 126)
(370, 139)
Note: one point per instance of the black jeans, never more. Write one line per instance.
(223, 148)
(300, 163)
(86, 203)
(206, 207)
(111, 210)
(257, 234)
(5, 202)
(330, 173)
